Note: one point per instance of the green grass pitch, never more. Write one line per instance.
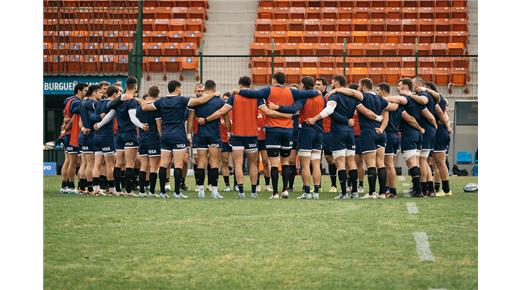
(145, 243)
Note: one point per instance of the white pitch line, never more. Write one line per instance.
(412, 208)
(401, 178)
(437, 289)
(423, 246)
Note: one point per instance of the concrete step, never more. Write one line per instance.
(236, 5)
(225, 16)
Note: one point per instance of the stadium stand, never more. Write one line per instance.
(370, 28)
(96, 37)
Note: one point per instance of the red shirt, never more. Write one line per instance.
(357, 130)
(223, 130)
(243, 120)
(260, 123)
(282, 97)
(313, 106)
(326, 122)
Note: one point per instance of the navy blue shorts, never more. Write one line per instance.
(295, 139)
(204, 142)
(411, 141)
(358, 145)
(172, 143)
(428, 139)
(104, 145)
(249, 144)
(310, 139)
(150, 149)
(442, 140)
(392, 143)
(327, 141)
(342, 140)
(225, 147)
(194, 139)
(370, 141)
(126, 140)
(68, 148)
(278, 141)
(86, 143)
(261, 145)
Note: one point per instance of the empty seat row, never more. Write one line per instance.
(360, 36)
(361, 12)
(362, 24)
(126, 3)
(368, 49)
(368, 62)
(441, 76)
(362, 3)
(167, 49)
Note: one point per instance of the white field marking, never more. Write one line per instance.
(401, 178)
(437, 289)
(405, 184)
(423, 246)
(412, 208)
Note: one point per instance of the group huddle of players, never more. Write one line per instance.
(116, 141)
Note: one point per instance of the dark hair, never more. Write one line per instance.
(384, 87)
(419, 81)
(323, 81)
(279, 77)
(367, 83)
(210, 85)
(92, 89)
(145, 96)
(131, 83)
(79, 87)
(245, 81)
(431, 86)
(308, 83)
(153, 91)
(407, 81)
(353, 86)
(103, 83)
(112, 90)
(173, 85)
(226, 94)
(341, 80)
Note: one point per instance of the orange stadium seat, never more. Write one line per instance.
(458, 76)
(459, 36)
(326, 73)
(426, 12)
(330, 3)
(279, 36)
(442, 24)
(263, 24)
(172, 64)
(277, 48)
(279, 25)
(293, 62)
(279, 61)
(189, 63)
(266, 3)
(409, 36)
(442, 76)
(175, 36)
(176, 24)
(106, 48)
(168, 12)
(121, 63)
(329, 13)
(455, 48)
(313, 3)
(360, 24)
(411, 3)
(323, 49)
(427, 73)
(360, 36)
(159, 36)
(410, 12)
(358, 73)
(310, 71)
(459, 12)
(345, 13)
(393, 62)
(262, 36)
(393, 36)
(345, 24)
(376, 62)
(193, 36)
(378, 12)
(407, 72)
(378, 3)
(197, 12)
(362, 12)
(153, 64)
(426, 37)
(328, 25)
(343, 35)
(313, 12)
(406, 49)
(73, 63)
(358, 62)
(296, 25)
(376, 36)
(324, 62)
(442, 12)
(282, 3)
(394, 3)
(346, 3)
(265, 12)
(311, 24)
(377, 74)
(393, 74)
(443, 62)
(297, 13)
(459, 3)
(195, 25)
(409, 24)
(290, 49)
(310, 61)
(311, 36)
(393, 24)
(170, 48)
(427, 62)
(259, 75)
(292, 74)
(355, 49)
(338, 48)
(106, 63)
(427, 3)
(438, 48)
(258, 48)
(394, 12)
(424, 49)
(377, 24)
(188, 48)
(408, 62)
(281, 13)
(90, 64)
(459, 24)
(372, 49)
(327, 37)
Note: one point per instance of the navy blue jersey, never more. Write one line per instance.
(152, 135)
(75, 105)
(172, 110)
(374, 103)
(394, 120)
(124, 124)
(413, 109)
(205, 110)
(86, 109)
(430, 106)
(108, 129)
(442, 104)
(346, 106)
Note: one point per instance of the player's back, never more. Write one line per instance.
(394, 120)
(312, 107)
(346, 106)
(87, 105)
(172, 110)
(281, 96)
(108, 129)
(205, 110)
(413, 109)
(124, 124)
(148, 117)
(430, 106)
(374, 103)
(243, 117)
